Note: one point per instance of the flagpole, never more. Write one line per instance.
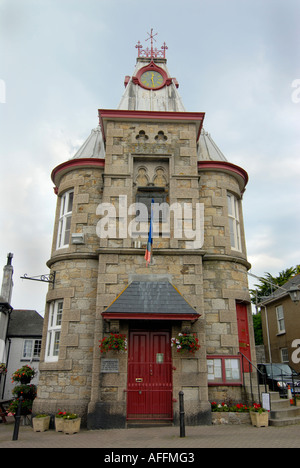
(150, 238)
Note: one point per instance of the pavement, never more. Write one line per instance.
(223, 436)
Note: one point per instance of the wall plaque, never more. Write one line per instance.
(109, 366)
(159, 358)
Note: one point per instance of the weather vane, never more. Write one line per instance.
(151, 53)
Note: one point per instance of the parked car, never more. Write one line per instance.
(279, 376)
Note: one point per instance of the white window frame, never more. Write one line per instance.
(31, 349)
(234, 222)
(285, 355)
(64, 223)
(54, 331)
(280, 319)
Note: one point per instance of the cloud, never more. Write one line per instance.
(63, 60)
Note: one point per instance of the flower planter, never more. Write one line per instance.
(59, 424)
(230, 418)
(185, 343)
(41, 424)
(115, 342)
(71, 426)
(259, 419)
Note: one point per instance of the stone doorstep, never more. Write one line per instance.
(282, 413)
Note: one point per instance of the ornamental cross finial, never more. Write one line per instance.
(153, 52)
(151, 36)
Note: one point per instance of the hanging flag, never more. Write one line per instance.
(150, 238)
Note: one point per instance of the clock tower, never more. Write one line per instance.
(190, 290)
(151, 86)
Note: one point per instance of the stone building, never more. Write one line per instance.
(149, 148)
(23, 345)
(20, 334)
(281, 325)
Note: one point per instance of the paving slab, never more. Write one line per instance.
(223, 436)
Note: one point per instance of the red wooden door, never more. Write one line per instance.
(149, 389)
(243, 331)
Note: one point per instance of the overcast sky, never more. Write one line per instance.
(62, 60)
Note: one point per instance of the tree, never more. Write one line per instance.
(257, 325)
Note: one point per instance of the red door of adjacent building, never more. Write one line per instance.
(243, 331)
(149, 389)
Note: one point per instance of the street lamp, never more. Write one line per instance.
(294, 293)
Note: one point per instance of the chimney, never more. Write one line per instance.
(7, 281)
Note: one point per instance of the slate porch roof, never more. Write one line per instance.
(25, 323)
(150, 301)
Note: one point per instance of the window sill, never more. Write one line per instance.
(236, 250)
(60, 365)
(30, 360)
(224, 384)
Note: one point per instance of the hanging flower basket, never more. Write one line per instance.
(3, 369)
(24, 375)
(26, 407)
(113, 342)
(28, 392)
(184, 342)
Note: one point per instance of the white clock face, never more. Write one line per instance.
(152, 79)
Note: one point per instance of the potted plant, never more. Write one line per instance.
(114, 342)
(41, 422)
(24, 375)
(184, 342)
(59, 421)
(230, 413)
(259, 416)
(71, 423)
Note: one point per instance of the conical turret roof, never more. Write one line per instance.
(207, 148)
(93, 147)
